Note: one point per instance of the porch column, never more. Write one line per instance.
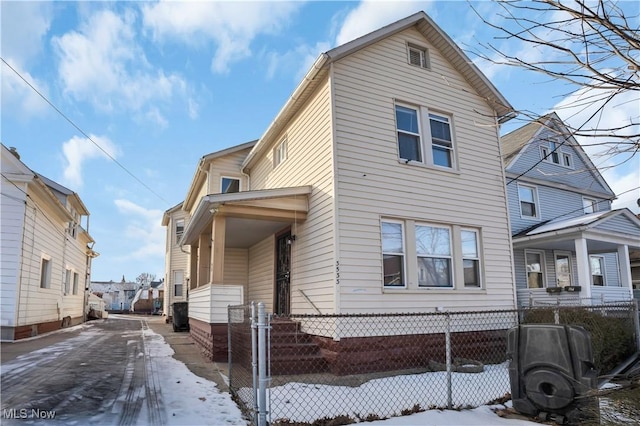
(584, 269)
(624, 264)
(217, 256)
(193, 266)
(204, 254)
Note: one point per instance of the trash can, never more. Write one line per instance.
(180, 316)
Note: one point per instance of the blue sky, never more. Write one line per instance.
(158, 85)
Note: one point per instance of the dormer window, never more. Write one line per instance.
(418, 56)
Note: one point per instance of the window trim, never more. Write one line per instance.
(552, 153)
(593, 205)
(67, 281)
(543, 268)
(280, 153)
(449, 257)
(603, 266)
(477, 258)
(425, 60)
(403, 254)
(536, 202)
(178, 233)
(222, 178)
(426, 144)
(76, 280)
(175, 285)
(45, 271)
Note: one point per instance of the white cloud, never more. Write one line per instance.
(372, 15)
(301, 58)
(143, 230)
(18, 99)
(102, 63)
(78, 150)
(231, 26)
(24, 24)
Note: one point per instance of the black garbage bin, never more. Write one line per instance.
(180, 316)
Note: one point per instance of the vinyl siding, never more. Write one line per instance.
(175, 260)
(261, 273)
(236, 266)
(620, 224)
(580, 176)
(227, 166)
(372, 182)
(309, 162)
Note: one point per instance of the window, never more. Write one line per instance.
(567, 160)
(179, 229)
(589, 205)
(535, 269)
(435, 148)
(45, 273)
(393, 254)
(67, 282)
(433, 247)
(230, 185)
(528, 201)
(470, 258)
(418, 56)
(75, 283)
(178, 279)
(280, 153)
(409, 145)
(551, 153)
(597, 270)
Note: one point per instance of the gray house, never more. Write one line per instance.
(569, 246)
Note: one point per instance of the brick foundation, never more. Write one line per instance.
(31, 330)
(211, 338)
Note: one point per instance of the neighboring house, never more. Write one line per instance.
(176, 274)
(46, 252)
(568, 245)
(117, 295)
(148, 298)
(378, 188)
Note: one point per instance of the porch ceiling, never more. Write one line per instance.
(250, 215)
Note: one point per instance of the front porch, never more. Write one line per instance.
(577, 261)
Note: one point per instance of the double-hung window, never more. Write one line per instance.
(178, 279)
(280, 153)
(393, 258)
(45, 273)
(528, 201)
(470, 257)
(424, 137)
(179, 229)
(433, 247)
(597, 270)
(589, 205)
(535, 269)
(67, 282)
(75, 283)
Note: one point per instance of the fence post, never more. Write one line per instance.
(447, 335)
(262, 366)
(254, 359)
(636, 321)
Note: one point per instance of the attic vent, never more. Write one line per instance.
(418, 56)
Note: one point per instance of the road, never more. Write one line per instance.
(104, 375)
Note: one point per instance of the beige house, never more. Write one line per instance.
(378, 188)
(46, 252)
(176, 259)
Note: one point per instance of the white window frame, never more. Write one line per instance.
(76, 279)
(231, 178)
(427, 143)
(589, 205)
(567, 254)
(602, 266)
(402, 254)
(477, 258)
(567, 160)
(422, 53)
(542, 271)
(46, 264)
(280, 153)
(67, 281)
(179, 229)
(448, 257)
(177, 283)
(536, 203)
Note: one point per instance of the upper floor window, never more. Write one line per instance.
(393, 259)
(432, 144)
(535, 269)
(229, 185)
(551, 153)
(418, 56)
(589, 205)
(280, 153)
(597, 270)
(45, 273)
(179, 229)
(528, 201)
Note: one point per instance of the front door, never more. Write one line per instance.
(283, 274)
(563, 269)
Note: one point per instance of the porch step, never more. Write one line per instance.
(294, 351)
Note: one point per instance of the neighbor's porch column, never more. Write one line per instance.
(217, 255)
(204, 254)
(624, 264)
(584, 270)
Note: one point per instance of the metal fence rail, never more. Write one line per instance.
(365, 367)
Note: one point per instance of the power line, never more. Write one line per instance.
(84, 133)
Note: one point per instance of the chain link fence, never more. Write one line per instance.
(351, 368)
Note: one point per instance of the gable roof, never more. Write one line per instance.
(428, 28)
(514, 143)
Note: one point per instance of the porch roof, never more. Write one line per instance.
(603, 230)
(271, 208)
